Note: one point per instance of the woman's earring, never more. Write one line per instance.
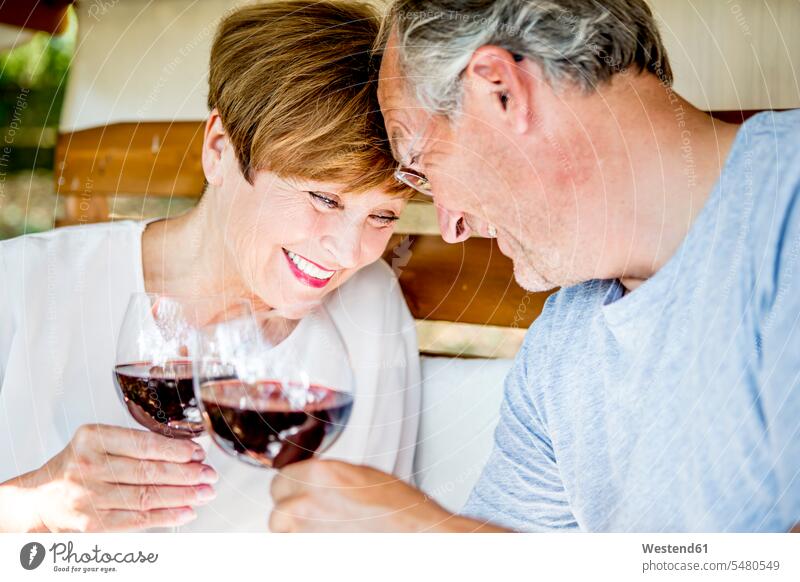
(491, 231)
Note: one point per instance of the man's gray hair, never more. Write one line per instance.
(581, 42)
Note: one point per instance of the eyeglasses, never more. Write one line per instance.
(410, 177)
(413, 180)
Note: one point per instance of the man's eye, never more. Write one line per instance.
(329, 202)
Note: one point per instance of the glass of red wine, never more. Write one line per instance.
(153, 369)
(274, 391)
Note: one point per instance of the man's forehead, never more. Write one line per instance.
(393, 89)
(402, 123)
(401, 110)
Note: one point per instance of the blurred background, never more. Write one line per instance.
(84, 68)
(33, 74)
(145, 60)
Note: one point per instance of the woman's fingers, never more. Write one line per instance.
(116, 520)
(144, 498)
(113, 469)
(137, 444)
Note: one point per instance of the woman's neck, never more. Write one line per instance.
(185, 256)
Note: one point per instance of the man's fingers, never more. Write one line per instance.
(116, 520)
(289, 482)
(301, 478)
(144, 498)
(138, 444)
(295, 491)
(280, 522)
(114, 469)
(285, 516)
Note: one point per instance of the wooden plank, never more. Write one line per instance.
(468, 340)
(469, 282)
(159, 159)
(84, 209)
(419, 217)
(156, 158)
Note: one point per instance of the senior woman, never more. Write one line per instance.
(299, 207)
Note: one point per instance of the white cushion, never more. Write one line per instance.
(460, 408)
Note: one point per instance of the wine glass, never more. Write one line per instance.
(274, 391)
(153, 368)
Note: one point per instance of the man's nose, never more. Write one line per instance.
(453, 225)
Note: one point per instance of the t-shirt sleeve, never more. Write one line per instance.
(779, 343)
(520, 487)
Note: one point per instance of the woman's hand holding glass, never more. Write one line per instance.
(111, 479)
(268, 401)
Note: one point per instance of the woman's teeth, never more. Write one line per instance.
(308, 268)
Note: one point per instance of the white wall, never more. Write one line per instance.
(147, 59)
(140, 60)
(733, 54)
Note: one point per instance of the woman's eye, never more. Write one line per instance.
(322, 199)
(384, 220)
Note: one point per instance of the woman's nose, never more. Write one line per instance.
(345, 246)
(453, 225)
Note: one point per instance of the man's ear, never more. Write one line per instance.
(214, 142)
(502, 85)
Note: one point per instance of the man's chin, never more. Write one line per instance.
(530, 280)
(525, 274)
(500, 240)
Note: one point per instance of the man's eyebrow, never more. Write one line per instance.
(393, 137)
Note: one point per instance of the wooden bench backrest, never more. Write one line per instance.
(471, 282)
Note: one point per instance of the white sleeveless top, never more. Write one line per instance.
(63, 295)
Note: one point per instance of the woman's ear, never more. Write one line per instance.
(500, 85)
(214, 142)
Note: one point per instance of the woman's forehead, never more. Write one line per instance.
(372, 196)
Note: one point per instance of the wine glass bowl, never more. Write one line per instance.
(154, 367)
(278, 395)
(160, 396)
(260, 424)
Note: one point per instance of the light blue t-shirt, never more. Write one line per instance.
(675, 407)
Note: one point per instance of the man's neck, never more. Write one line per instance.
(669, 158)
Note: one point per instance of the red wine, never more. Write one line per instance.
(262, 425)
(161, 398)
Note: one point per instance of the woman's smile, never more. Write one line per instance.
(307, 271)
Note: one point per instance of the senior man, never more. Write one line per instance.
(660, 388)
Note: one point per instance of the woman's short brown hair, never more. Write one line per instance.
(295, 84)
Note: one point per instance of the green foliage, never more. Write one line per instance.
(32, 81)
(40, 63)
